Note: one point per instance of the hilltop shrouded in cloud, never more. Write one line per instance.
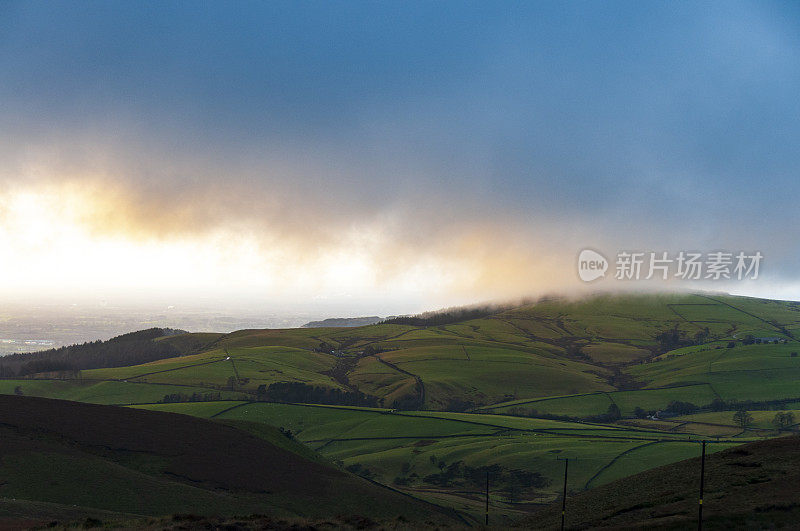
(408, 152)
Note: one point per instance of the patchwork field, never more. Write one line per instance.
(617, 384)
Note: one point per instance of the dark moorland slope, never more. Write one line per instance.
(134, 462)
(753, 486)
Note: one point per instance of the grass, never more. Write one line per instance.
(761, 419)
(753, 372)
(155, 463)
(524, 451)
(587, 405)
(26, 513)
(610, 352)
(195, 409)
(485, 375)
(383, 441)
(650, 455)
(311, 423)
(655, 399)
(559, 357)
(103, 392)
(105, 485)
(582, 405)
(518, 354)
(747, 487)
(503, 421)
(258, 365)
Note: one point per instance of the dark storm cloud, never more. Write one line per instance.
(617, 125)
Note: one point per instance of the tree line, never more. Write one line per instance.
(674, 338)
(515, 484)
(298, 392)
(133, 348)
(448, 315)
(174, 398)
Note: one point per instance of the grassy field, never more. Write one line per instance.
(553, 348)
(745, 372)
(522, 388)
(252, 366)
(104, 392)
(585, 405)
(761, 419)
(388, 445)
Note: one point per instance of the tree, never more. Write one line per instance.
(718, 404)
(743, 418)
(515, 483)
(701, 336)
(672, 339)
(371, 350)
(782, 420)
(676, 407)
(613, 414)
(639, 413)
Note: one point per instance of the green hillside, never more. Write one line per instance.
(622, 383)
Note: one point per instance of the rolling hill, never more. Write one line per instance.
(623, 383)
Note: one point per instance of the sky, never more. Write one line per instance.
(398, 156)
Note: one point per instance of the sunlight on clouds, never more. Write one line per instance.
(55, 240)
(48, 246)
(78, 237)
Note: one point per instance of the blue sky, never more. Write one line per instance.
(479, 144)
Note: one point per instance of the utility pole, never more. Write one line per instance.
(487, 499)
(564, 497)
(236, 372)
(702, 480)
